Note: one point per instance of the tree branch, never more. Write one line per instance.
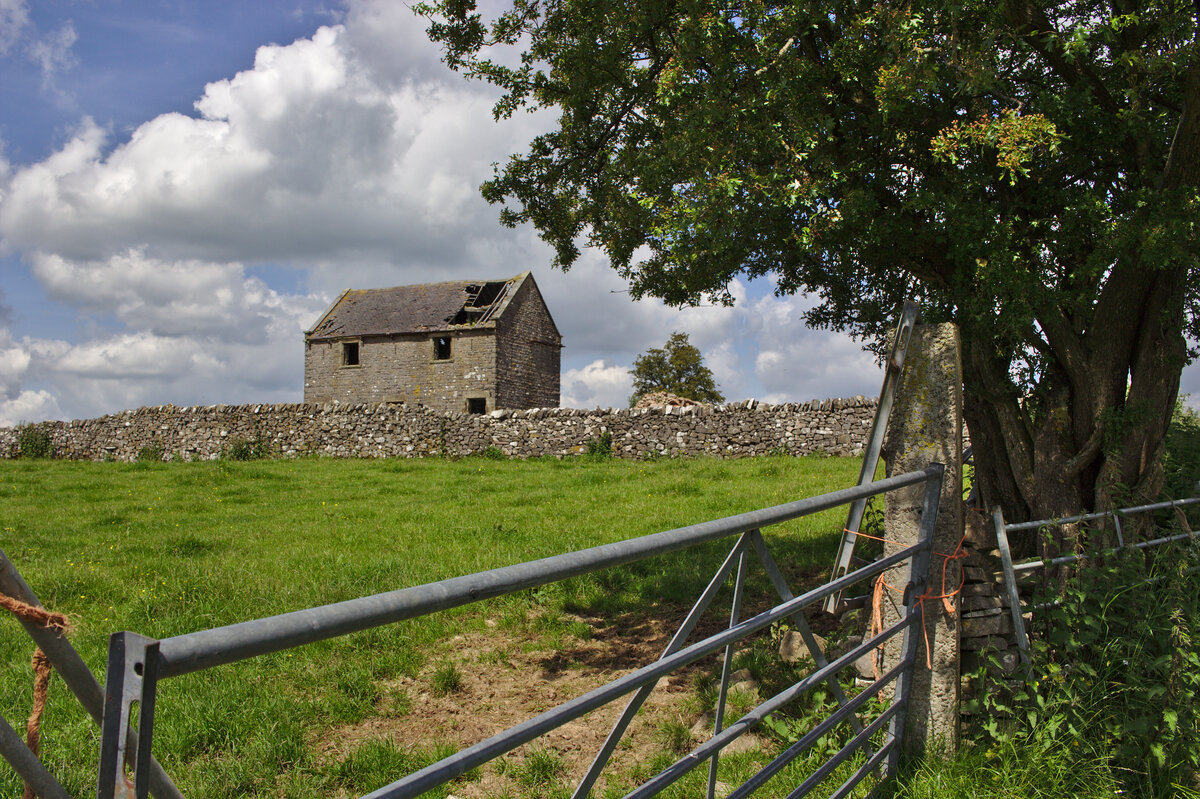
(1038, 32)
(1087, 453)
(1182, 168)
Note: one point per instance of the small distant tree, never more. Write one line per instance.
(677, 368)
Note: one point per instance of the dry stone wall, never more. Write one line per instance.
(833, 426)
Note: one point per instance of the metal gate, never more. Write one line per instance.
(137, 664)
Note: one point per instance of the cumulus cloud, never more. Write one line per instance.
(173, 298)
(197, 333)
(28, 406)
(301, 159)
(14, 364)
(794, 362)
(17, 361)
(597, 385)
(128, 370)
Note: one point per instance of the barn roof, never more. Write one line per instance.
(424, 308)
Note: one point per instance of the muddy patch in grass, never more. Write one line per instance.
(478, 684)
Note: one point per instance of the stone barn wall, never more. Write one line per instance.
(528, 353)
(397, 369)
(833, 426)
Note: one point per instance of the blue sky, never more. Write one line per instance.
(184, 186)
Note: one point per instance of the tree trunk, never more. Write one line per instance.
(1095, 439)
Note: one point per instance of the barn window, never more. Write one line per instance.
(350, 353)
(441, 348)
(477, 405)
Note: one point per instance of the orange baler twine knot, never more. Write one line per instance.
(945, 596)
(42, 669)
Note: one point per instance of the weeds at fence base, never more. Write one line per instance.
(243, 449)
(1112, 693)
(33, 442)
(1010, 769)
(600, 446)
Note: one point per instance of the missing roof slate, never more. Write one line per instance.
(482, 301)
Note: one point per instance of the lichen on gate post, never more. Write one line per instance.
(926, 427)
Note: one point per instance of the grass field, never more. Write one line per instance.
(162, 549)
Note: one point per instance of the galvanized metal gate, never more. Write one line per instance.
(1017, 610)
(137, 664)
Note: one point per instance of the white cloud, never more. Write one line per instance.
(52, 52)
(797, 363)
(28, 406)
(597, 385)
(128, 370)
(301, 159)
(14, 364)
(180, 298)
(14, 17)
(198, 333)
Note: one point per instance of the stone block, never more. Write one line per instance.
(970, 604)
(1003, 662)
(985, 642)
(979, 626)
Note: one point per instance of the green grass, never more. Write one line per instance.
(166, 548)
(1026, 770)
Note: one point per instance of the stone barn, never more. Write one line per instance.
(471, 346)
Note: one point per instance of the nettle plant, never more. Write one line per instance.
(1115, 671)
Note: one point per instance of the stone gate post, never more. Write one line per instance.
(926, 426)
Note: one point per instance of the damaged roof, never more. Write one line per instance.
(425, 308)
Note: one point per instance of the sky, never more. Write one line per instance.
(185, 185)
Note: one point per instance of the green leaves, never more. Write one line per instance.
(1112, 673)
(678, 368)
(1016, 140)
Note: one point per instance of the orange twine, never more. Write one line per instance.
(881, 583)
(41, 668)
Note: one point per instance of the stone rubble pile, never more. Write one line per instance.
(659, 398)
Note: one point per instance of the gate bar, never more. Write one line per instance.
(866, 768)
(457, 764)
(1010, 568)
(1087, 517)
(812, 736)
(785, 593)
(681, 635)
(755, 716)
(726, 665)
(27, 765)
(1010, 585)
(856, 743)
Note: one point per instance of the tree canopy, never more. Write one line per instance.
(677, 368)
(1025, 169)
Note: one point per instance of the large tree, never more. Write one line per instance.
(1027, 170)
